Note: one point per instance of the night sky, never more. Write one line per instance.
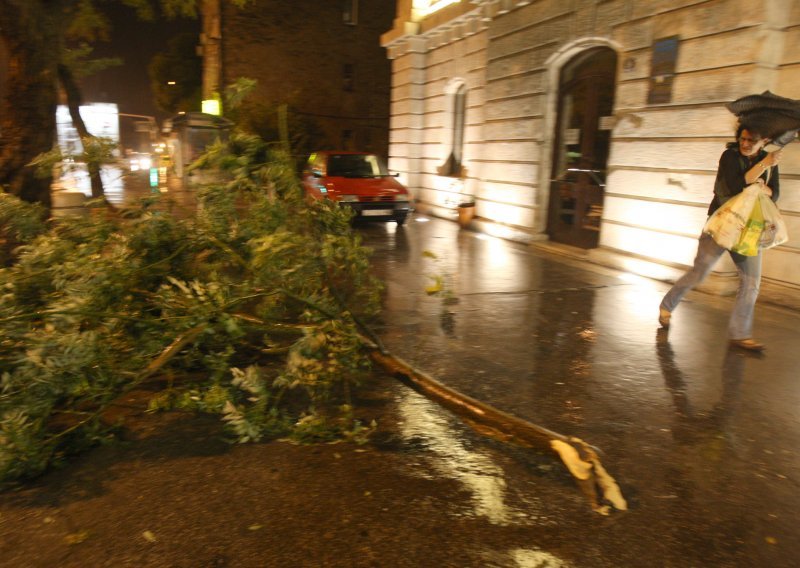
(128, 85)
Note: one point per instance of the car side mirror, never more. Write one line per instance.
(316, 173)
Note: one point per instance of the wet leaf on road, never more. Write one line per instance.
(76, 538)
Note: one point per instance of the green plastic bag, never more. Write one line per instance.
(750, 237)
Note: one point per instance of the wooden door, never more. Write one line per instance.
(582, 141)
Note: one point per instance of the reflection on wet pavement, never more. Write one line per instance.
(78, 180)
(524, 558)
(124, 188)
(485, 480)
(532, 558)
(703, 439)
(691, 424)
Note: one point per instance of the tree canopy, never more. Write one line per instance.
(176, 75)
(40, 36)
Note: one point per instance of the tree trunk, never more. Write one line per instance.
(74, 100)
(31, 34)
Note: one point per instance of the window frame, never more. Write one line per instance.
(350, 12)
(456, 93)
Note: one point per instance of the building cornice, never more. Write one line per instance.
(419, 37)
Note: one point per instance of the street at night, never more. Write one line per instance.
(399, 284)
(700, 438)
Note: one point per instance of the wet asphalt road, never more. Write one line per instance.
(702, 439)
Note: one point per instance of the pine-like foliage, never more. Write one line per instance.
(247, 309)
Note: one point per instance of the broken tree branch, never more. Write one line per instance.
(580, 458)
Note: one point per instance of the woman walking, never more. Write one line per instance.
(743, 162)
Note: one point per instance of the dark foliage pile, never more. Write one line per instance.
(248, 309)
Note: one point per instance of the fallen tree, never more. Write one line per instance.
(252, 300)
(253, 309)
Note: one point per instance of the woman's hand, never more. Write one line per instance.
(754, 173)
(772, 158)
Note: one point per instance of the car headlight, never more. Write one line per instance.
(348, 198)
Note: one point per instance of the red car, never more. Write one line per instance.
(358, 180)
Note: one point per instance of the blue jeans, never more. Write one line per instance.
(749, 268)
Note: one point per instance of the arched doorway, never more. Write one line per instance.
(581, 143)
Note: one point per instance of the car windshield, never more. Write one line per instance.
(355, 165)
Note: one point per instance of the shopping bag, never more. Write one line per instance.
(727, 223)
(747, 222)
(750, 236)
(775, 232)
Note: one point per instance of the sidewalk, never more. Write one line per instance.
(774, 293)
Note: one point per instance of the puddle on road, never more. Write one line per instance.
(532, 558)
(524, 558)
(484, 479)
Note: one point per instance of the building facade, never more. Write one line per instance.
(322, 57)
(594, 124)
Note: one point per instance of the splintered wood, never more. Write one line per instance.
(580, 458)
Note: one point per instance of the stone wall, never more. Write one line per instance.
(783, 263)
(663, 156)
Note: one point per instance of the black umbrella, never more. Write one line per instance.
(774, 117)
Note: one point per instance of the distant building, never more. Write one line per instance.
(323, 57)
(595, 124)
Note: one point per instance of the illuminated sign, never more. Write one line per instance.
(101, 119)
(212, 106)
(424, 8)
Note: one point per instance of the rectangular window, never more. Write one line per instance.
(459, 121)
(347, 139)
(457, 107)
(348, 77)
(350, 12)
(662, 70)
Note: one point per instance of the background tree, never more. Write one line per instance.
(32, 36)
(272, 121)
(176, 76)
(275, 123)
(37, 35)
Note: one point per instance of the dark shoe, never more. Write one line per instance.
(663, 317)
(748, 344)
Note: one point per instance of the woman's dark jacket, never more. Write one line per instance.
(730, 176)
